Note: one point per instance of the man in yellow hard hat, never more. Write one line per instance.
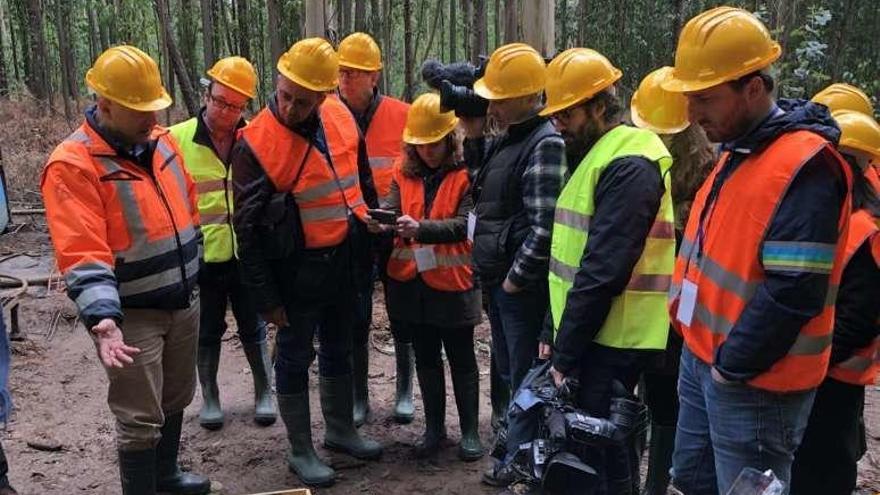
(300, 224)
(121, 209)
(613, 247)
(753, 285)
(206, 141)
(381, 120)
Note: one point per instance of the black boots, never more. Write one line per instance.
(403, 400)
(341, 435)
(169, 477)
(211, 414)
(137, 471)
(302, 459)
(261, 367)
(467, 397)
(499, 393)
(360, 371)
(432, 383)
(660, 459)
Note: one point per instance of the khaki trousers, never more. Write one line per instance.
(161, 380)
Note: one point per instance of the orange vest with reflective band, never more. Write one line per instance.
(453, 272)
(863, 366)
(872, 173)
(727, 269)
(326, 194)
(384, 141)
(140, 247)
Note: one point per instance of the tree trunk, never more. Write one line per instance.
(38, 83)
(453, 31)
(187, 90)
(244, 35)
(15, 45)
(496, 40)
(273, 16)
(4, 73)
(208, 32)
(343, 15)
(315, 19)
(376, 21)
(511, 21)
(408, 85)
(467, 10)
(582, 22)
(360, 15)
(438, 14)
(480, 43)
(538, 25)
(563, 35)
(66, 51)
(185, 22)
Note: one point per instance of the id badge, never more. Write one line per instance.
(472, 225)
(425, 259)
(686, 302)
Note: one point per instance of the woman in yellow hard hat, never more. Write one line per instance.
(665, 113)
(834, 440)
(431, 288)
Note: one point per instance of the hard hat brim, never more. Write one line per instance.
(550, 110)
(368, 68)
(644, 124)
(156, 105)
(237, 89)
(409, 138)
(677, 85)
(306, 84)
(484, 92)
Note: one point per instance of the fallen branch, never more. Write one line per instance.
(28, 211)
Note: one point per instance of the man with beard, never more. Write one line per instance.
(762, 256)
(613, 247)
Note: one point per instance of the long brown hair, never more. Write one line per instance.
(692, 161)
(413, 166)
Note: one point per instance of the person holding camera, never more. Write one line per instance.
(518, 176)
(612, 251)
(431, 292)
(299, 168)
(381, 120)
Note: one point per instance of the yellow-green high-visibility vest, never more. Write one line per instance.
(214, 185)
(638, 318)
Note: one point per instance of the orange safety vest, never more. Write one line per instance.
(122, 235)
(727, 268)
(872, 173)
(863, 366)
(453, 272)
(384, 141)
(325, 193)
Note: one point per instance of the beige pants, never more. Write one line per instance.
(162, 378)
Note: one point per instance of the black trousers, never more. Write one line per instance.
(833, 442)
(221, 284)
(4, 469)
(428, 340)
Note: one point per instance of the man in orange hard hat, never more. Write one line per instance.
(752, 291)
(298, 173)
(381, 120)
(121, 209)
(206, 141)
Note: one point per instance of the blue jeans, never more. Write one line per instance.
(724, 428)
(516, 321)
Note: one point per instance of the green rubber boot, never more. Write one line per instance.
(403, 400)
(341, 435)
(302, 459)
(261, 367)
(211, 413)
(467, 398)
(432, 383)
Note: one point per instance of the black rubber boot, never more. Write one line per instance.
(432, 383)
(467, 398)
(360, 371)
(169, 477)
(302, 459)
(659, 460)
(261, 367)
(403, 401)
(137, 472)
(499, 394)
(211, 414)
(340, 434)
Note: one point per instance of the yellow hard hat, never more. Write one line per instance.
(513, 70)
(859, 132)
(840, 96)
(575, 75)
(656, 109)
(360, 51)
(718, 46)
(235, 73)
(312, 63)
(128, 76)
(425, 123)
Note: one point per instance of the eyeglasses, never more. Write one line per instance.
(352, 73)
(225, 105)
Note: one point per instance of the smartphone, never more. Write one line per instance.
(384, 217)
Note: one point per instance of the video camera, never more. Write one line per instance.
(554, 458)
(455, 82)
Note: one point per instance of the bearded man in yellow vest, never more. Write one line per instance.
(613, 247)
(206, 141)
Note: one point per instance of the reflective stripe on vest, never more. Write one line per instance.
(731, 264)
(326, 195)
(863, 367)
(214, 187)
(384, 141)
(638, 317)
(453, 272)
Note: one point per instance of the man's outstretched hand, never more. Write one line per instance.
(112, 350)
